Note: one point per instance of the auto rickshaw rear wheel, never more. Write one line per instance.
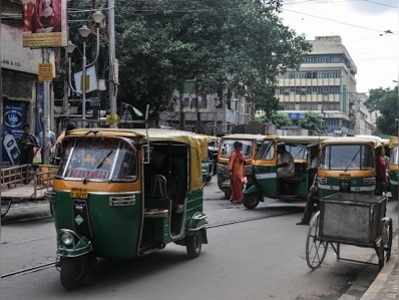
(74, 271)
(5, 207)
(194, 245)
(251, 201)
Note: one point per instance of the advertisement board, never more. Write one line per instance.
(45, 24)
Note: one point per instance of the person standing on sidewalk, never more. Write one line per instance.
(237, 174)
(381, 171)
(27, 146)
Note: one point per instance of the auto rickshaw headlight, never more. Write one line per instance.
(67, 238)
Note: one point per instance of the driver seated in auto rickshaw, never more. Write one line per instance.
(285, 167)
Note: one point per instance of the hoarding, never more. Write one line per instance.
(45, 24)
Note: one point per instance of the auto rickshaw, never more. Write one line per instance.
(265, 179)
(250, 144)
(347, 164)
(122, 193)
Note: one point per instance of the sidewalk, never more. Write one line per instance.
(386, 284)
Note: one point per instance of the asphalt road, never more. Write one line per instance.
(262, 259)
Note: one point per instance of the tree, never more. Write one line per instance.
(386, 102)
(234, 45)
(312, 122)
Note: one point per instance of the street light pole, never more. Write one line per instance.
(84, 83)
(112, 56)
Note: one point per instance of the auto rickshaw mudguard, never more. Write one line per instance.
(252, 189)
(80, 246)
(198, 223)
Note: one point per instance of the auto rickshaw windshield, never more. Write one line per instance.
(266, 151)
(99, 160)
(298, 151)
(347, 157)
(228, 147)
(394, 158)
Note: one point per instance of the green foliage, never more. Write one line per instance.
(312, 122)
(235, 45)
(386, 102)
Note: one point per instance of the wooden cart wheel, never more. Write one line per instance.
(387, 237)
(5, 207)
(316, 249)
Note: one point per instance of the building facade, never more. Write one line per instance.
(364, 120)
(19, 68)
(324, 83)
(210, 113)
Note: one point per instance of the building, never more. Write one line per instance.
(211, 113)
(364, 120)
(19, 68)
(325, 83)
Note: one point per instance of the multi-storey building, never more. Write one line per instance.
(19, 68)
(364, 119)
(324, 83)
(211, 113)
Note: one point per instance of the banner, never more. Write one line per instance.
(45, 23)
(39, 126)
(15, 117)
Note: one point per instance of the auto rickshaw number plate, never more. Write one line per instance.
(122, 200)
(79, 194)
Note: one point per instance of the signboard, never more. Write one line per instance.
(91, 80)
(45, 24)
(296, 115)
(13, 55)
(14, 119)
(45, 72)
(39, 126)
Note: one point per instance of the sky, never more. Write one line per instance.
(361, 25)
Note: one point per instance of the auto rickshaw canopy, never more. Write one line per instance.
(198, 144)
(374, 141)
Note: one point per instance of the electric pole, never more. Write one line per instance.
(113, 66)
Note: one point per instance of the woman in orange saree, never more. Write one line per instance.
(237, 176)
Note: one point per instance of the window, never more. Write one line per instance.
(227, 148)
(347, 157)
(297, 151)
(266, 151)
(99, 159)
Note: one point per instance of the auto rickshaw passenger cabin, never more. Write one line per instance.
(266, 180)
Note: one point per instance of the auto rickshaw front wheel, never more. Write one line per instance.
(194, 245)
(251, 201)
(73, 271)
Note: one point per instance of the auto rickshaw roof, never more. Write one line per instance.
(243, 136)
(105, 132)
(304, 140)
(375, 141)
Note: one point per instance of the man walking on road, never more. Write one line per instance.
(237, 175)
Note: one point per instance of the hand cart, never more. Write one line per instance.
(350, 219)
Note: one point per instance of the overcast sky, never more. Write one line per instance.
(360, 23)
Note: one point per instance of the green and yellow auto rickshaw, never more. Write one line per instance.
(265, 179)
(250, 143)
(347, 164)
(122, 193)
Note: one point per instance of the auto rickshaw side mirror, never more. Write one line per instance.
(146, 154)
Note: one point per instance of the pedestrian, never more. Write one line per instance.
(311, 199)
(56, 149)
(28, 146)
(381, 171)
(237, 174)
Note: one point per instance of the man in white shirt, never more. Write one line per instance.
(285, 163)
